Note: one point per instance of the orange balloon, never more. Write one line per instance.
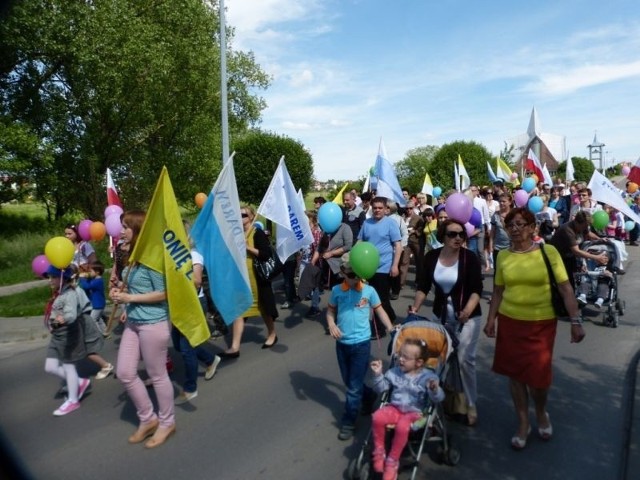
(632, 187)
(200, 199)
(535, 177)
(97, 230)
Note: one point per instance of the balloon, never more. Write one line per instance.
(535, 204)
(529, 184)
(40, 264)
(514, 176)
(629, 224)
(476, 218)
(201, 198)
(258, 224)
(330, 217)
(83, 229)
(113, 225)
(535, 178)
(59, 251)
(459, 207)
(437, 191)
(625, 170)
(600, 219)
(112, 209)
(470, 229)
(521, 197)
(98, 231)
(364, 259)
(632, 187)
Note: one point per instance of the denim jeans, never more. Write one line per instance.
(353, 361)
(190, 356)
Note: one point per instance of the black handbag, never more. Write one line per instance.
(267, 270)
(556, 299)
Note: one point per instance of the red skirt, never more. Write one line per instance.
(524, 350)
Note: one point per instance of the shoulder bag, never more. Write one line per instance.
(556, 299)
(268, 269)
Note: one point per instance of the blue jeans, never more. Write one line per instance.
(353, 361)
(190, 356)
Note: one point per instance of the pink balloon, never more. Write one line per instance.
(470, 229)
(625, 170)
(514, 175)
(114, 227)
(521, 197)
(111, 210)
(40, 264)
(83, 229)
(459, 207)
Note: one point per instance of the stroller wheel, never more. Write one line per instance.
(614, 320)
(620, 306)
(452, 456)
(363, 472)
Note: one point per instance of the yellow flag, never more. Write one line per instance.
(163, 246)
(338, 198)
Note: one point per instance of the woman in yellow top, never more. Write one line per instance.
(521, 308)
(264, 302)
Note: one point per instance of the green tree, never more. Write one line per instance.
(474, 157)
(256, 160)
(122, 84)
(583, 169)
(412, 168)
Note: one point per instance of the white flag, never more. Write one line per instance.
(606, 192)
(547, 175)
(388, 185)
(282, 206)
(570, 175)
(465, 181)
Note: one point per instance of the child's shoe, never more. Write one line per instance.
(599, 303)
(378, 460)
(67, 407)
(582, 299)
(390, 469)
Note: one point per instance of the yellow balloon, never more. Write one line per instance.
(59, 251)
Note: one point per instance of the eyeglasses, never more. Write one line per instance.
(454, 234)
(244, 215)
(518, 225)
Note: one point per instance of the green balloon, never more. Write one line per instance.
(364, 259)
(600, 219)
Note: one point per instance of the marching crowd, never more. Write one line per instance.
(527, 253)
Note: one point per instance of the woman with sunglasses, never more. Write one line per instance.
(264, 302)
(455, 274)
(525, 320)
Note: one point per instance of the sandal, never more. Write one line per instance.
(518, 443)
(546, 433)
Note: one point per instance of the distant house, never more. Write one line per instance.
(549, 148)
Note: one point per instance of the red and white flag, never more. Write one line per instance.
(533, 165)
(634, 174)
(112, 193)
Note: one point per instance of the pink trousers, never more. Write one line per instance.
(149, 342)
(390, 415)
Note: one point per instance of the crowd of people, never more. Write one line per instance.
(450, 261)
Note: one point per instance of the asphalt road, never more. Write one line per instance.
(273, 414)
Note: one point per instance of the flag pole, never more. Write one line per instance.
(223, 85)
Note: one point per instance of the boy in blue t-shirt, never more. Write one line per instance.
(351, 303)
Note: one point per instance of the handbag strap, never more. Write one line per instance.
(552, 277)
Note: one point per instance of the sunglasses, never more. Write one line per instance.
(452, 234)
(245, 215)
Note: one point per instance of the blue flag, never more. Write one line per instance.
(387, 185)
(220, 239)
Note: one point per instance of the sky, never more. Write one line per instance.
(346, 73)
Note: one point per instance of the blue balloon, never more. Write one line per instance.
(330, 217)
(476, 218)
(629, 224)
(535, 204)
(528, 184)
(258, 224)
(437, 191)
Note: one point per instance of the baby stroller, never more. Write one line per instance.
(613, 306)
(431, 427)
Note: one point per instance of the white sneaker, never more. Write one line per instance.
(185, 397)
(104, 372)
(599, 303)
(211, 369)
(582, 299)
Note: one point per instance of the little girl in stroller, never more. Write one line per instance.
(410, 385)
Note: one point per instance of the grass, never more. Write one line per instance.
(25, 304)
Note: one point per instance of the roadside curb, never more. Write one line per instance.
(629, 460)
